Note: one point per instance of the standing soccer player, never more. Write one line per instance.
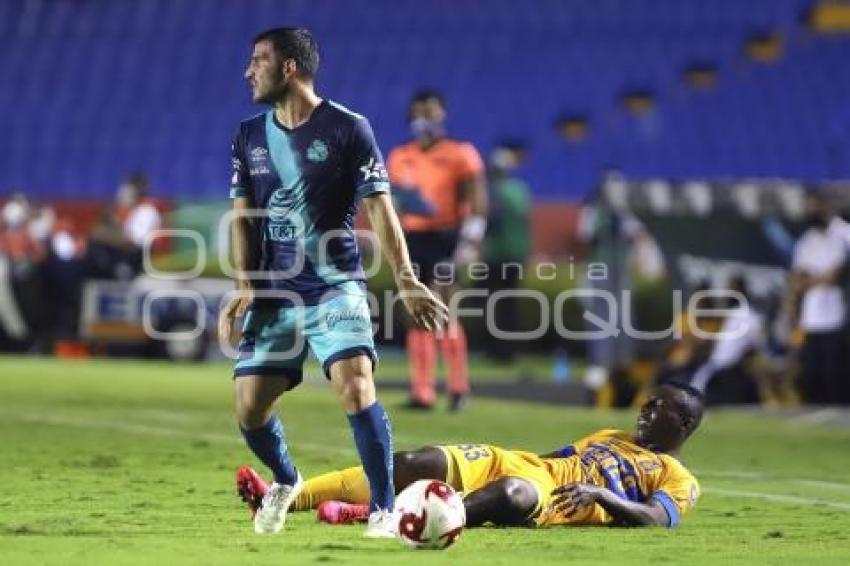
(443, 200)
(299, 172)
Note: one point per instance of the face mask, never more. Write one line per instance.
(42, 225)
(503, 161)
(126, 195)
(423, 127)
(15, 214)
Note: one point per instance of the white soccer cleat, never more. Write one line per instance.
(382, 523)
(271, 515)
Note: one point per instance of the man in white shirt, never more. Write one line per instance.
(116, 243)
(820, 256)
(138, 215)
(726, 377)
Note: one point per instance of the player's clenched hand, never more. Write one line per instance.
(426, 309)
(571, 497)
(235, 308)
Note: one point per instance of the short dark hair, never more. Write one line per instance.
(512, 144)
(294, 43)
(426, 94)
(138, 180)
(691, 410)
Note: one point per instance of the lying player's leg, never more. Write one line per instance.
(508, 501)
(352, 486)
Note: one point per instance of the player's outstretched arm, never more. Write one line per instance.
(572, 497)
(426, 309)
(245, 250)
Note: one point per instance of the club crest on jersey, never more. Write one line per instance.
(318, 151)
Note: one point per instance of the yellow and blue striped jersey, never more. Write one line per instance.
(612, 459)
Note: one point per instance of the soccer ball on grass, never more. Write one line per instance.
(430, 514)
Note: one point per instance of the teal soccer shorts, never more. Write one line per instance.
(275, 339)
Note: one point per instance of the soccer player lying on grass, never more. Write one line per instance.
(610, 477)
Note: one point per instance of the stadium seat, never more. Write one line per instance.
(174, 71)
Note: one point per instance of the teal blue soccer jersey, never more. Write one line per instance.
(307, 182)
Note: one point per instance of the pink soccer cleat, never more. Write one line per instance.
(251, 488)
(341, 513)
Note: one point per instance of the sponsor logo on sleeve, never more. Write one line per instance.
(374, 169)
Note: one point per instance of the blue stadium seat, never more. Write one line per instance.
(98, 88)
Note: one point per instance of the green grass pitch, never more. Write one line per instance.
(108, 462)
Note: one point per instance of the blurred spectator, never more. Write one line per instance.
(65, 273)
(115, 248)
(820, 258)
(23, 311)
(507, 244)
(609, 229)
(727, 377)
(41, 225)
(139, 217)
(646, 262)
(690, 348)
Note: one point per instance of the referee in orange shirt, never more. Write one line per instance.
(440, 190)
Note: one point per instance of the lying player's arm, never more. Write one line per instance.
(245, 250)
(555, 454)
(572, 497)
(565, 452)
(423, 306)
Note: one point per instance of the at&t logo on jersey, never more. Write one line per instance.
(280, 226)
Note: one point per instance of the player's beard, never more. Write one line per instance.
(276, 93)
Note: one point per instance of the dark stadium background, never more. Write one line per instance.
(679, 142)
(684, 99)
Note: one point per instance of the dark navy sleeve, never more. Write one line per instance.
(240, 180)
(367, 163)
(567, 451)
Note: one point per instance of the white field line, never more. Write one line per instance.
(101, 424)
(824, 484)
(734, 474)
(820, 416)
(120, 426)
(785, 499)
(756, 476)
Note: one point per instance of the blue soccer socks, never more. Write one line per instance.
(373, 436)
(269, 445)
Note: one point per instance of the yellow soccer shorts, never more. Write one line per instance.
(473, 466)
